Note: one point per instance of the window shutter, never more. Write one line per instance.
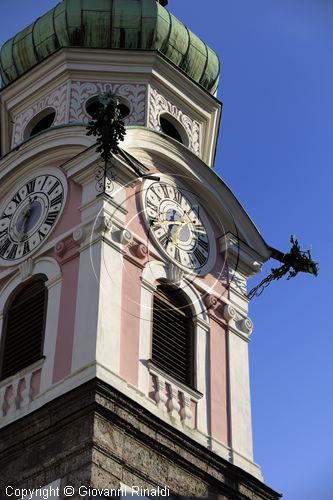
(24, 328)
(172, 344)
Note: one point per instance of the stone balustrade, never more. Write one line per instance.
(17, 391)
(173, 397)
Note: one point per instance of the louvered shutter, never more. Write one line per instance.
(24, 329)
(172, 343)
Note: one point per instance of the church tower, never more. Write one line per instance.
(123, 311)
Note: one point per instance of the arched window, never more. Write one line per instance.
(173, 332)
(23, 332)
(171, 127)
(42, 121)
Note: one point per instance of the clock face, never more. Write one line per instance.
(179, 226)
(29, 215)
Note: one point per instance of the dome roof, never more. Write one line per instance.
(110, 24)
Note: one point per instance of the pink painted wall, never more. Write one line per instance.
(218, 383)
(65, 336)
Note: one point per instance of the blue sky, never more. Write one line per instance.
(276, 153)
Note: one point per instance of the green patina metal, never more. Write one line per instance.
(110, 24)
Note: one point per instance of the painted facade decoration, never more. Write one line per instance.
(134, 94)
(158, 105)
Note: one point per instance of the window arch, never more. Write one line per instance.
(173, 334)
(24, 325)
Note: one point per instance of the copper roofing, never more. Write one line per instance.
(110, 24)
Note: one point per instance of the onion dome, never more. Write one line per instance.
(110, 24)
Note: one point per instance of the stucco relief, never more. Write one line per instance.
(159, 104)
(56, 100)
(81, 91)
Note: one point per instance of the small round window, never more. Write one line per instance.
(171, 127)
(42, 121)
(93, 104)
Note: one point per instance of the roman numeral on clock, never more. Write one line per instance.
(17, 199)
(3, 234)
(156, 194)
(177, 254)
(55, 185)
(164, 240)
(56, 200)
(26, 248)
(199, 256)
(31, 186)
(203, 244)
(165, 190)
(12, 252)
(4, 247)
(51, 218)
(177, 195)
(151, 205)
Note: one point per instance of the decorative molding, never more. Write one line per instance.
(211, 301)
(126, 237)
(159, 104)
(67, 248)
(239, 257)
(79, 234)
(174, 274)
(141, 251)
(26, 268)
(246, 326)
(229, 312)
(56, 100)
(103, 224)
(82, 91)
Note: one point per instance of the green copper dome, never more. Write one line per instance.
(110, 24)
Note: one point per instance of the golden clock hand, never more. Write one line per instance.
(163, 223)
(175, 235)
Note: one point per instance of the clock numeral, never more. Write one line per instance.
(4, 247)
(156, 193)
(177, 254)
(26, 247)
(151, 205)
(55, 185)
(177, 196)
(190, 256)
(6, 216)
(41, 234)
(203, 244)
(42, 186)
(165, 190)
(199, 256)
(12, 252)
(3, 234)
(31, 186)
(164, 240)
(51, 218)
(56, 200)
(17, 199)
(200, 228)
